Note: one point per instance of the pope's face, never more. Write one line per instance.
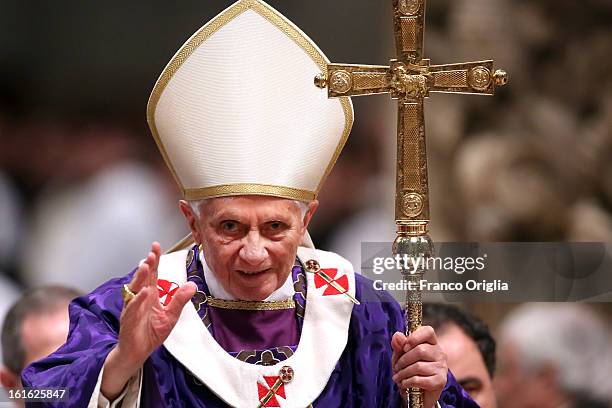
(249, 242)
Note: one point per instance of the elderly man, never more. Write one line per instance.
(250, 314)
(554, 355)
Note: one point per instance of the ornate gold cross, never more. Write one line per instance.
(409, 79)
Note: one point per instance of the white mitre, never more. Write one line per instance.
(236, 110)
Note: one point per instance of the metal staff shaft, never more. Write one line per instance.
(412, 213)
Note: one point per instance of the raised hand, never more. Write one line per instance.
(145, 324)
(418, 361)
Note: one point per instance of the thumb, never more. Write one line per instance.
(397, 344)
(180, 298)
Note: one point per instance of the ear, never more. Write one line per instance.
(192, 220)
(312, 207)
(8, 379)
(548, 376)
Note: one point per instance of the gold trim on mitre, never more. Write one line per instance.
(191, 45)
(249, 189)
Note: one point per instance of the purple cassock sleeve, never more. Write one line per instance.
(361, 378)
(94, 327)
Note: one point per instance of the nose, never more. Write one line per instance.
(253, 251)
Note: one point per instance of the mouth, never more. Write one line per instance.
(252, 272)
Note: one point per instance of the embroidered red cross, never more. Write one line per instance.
(330, 290)
(263, 390)
(166, 290)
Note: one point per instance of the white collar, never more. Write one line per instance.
(217, 290)
(323, 339)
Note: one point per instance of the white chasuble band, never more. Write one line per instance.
(323, 339)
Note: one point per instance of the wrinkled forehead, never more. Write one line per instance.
(250, 204)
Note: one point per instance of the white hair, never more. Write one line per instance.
(567, 336)
(196, 205)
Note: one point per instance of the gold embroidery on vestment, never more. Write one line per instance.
(251, 305)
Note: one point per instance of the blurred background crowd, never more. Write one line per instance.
(83, 190)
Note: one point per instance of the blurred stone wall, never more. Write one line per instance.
(534, 162)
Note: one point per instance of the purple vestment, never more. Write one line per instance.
(361, 378)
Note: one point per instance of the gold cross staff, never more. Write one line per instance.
(409, 79)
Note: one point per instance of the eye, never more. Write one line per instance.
(229, 226)
(276, 225)
(471, 385)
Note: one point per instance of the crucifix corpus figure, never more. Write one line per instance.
(410, 78)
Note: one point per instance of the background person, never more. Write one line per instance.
(34, 327)
(469, 348)
(554, 355)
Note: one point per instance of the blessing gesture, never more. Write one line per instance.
(145, 324)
